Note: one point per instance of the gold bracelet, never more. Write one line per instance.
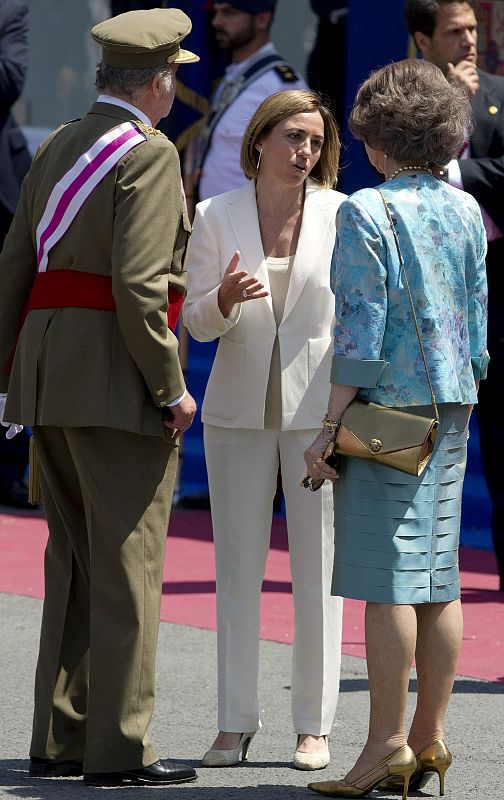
(332, 428)
(331, 424)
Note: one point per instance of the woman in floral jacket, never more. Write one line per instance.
(397, 536)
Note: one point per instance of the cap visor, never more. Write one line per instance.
(186, 57)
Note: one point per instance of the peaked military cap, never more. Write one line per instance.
(148, 38)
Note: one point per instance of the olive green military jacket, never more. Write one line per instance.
(82, 367)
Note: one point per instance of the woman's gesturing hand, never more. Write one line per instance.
(237, 287)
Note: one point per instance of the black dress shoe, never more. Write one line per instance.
(47, 768)
(157, 774)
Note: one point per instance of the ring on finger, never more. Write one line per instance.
(244, 293)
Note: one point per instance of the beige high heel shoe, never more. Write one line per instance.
(228, 758)
(312, 760)
(436, 758)
(401, 763)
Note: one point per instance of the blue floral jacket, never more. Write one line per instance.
(443, 243)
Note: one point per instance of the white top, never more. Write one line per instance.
(279, 273)
(221, 169)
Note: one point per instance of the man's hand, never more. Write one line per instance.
(179, 418)
(13, 428)
(465, 75)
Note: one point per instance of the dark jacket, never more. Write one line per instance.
(483, 173)
(14, 156)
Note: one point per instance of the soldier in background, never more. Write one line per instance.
(256, 71)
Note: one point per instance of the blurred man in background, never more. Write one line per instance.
(256, 71)
(14, 164)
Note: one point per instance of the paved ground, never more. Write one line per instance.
(184, 722)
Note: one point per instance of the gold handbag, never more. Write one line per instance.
(390, 436)
(393, 437)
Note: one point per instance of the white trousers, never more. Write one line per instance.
(242, 475)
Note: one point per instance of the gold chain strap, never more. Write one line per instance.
(406, 282)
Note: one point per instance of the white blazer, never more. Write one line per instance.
(236, 391)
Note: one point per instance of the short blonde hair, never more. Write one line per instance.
(280, 106)
(410, 111)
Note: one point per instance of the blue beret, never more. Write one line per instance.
(253, 6)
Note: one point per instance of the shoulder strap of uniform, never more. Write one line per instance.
(149, 130)
(232, 89)
(286, 73)
(259, 67)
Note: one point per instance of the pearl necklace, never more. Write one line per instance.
(413, 167)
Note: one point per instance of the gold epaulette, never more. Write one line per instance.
(149, 130)
(285, 73)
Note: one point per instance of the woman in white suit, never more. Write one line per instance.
(259, 281)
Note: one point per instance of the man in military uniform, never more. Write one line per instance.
(92, 270)
(256, 71)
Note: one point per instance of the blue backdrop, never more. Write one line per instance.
(376, 35)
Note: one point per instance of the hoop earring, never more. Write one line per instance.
(259, 160)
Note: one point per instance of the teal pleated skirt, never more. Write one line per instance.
(397, 536)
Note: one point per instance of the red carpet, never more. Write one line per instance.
(189, 587)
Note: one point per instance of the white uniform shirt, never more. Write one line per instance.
(221, 169)
(455, 179)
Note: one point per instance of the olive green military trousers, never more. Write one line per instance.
(107, 497)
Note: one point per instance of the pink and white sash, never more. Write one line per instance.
(74, 188)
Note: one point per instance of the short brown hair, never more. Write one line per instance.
(421, 15)
(278, 107)
(410, 111)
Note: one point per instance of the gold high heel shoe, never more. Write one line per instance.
(228, 758)
(434, 758)
(400, 764)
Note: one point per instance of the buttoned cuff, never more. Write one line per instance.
(357, 372)
(480, 366)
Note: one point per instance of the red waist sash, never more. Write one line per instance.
(68, 288)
